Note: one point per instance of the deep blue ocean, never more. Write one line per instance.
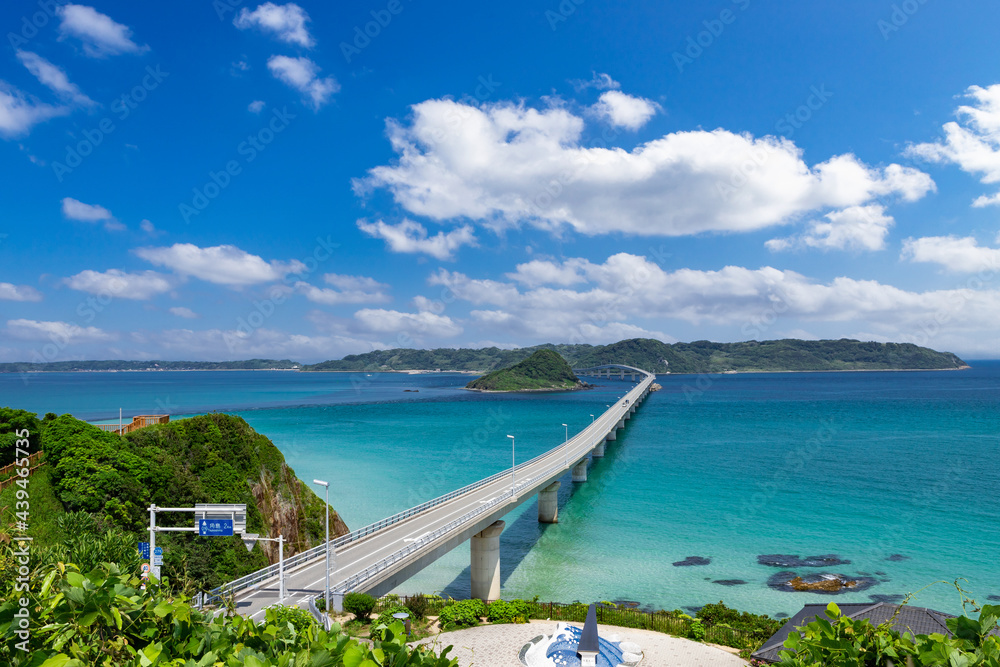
(898, 473)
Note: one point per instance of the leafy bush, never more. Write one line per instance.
(515, 611)
(12, 421)
(299, 618)
(102, 618)
(697, 630)
(385, 620)
(359, 604)
(418, 605)
(462, 614)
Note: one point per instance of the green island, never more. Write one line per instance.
(544, 370)
(659, 357)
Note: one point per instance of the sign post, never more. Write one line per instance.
(250, 539)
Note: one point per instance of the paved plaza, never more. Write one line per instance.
(498, 645)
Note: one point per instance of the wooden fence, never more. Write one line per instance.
(34, 463)
(139, 421)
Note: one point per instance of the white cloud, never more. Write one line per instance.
(424, 323)
(9, 292)
(118, 284)
(256, 106)
(54, 78)
(186, 313)
(63, 332)
(412, 237)
(302, 74)
(100, 34)
(149, 228)
(74, 209)
(960, 255)
(542, 272)
(975, 144)
(502, 164)
(222, 265)
(853, 228)
(348, 289)
(621, 110)
(286, 22)
(599, 81)
(19, 113)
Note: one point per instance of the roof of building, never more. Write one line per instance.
(915, 620)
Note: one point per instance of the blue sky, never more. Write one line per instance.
(226, 180)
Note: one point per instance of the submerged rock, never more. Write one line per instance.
(898, 557)
(824, 583)
(993, 597)
(893, 597)
(693, 560)
(789, 560)
(729, 582)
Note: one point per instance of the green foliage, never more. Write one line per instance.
(649, 354)
(544, 369)
(419, 606)
(299, 618)
(385, 620)
(734, 628)
(101, 618)
(359, 604)
(12, 421)
(462, 614)
(515, 611)
(839, 641)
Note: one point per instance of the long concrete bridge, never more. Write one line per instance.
(378, 558)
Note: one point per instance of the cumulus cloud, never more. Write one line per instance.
(186, 313)
(302, 74)
(121, 285)
(600, 81)
(10, 292)
(222, 265)
(345, 289)
(621, 110)
(64, 332)
(100, 35)
(54, 78)
(256, 106)
(74, 209)
(959, 255)
(412, 237)
(421, 324)
(505, 164)
(853, 228)
(286, 22)
(19, 112)
(627, 289)
(973, 145)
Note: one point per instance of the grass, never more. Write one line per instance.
(43, 508)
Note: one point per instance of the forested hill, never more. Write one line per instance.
(656, 356)
(122, 365)
(544, 370)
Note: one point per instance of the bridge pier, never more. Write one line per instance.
(548, 504)
(485, 547)
(631, 410)
(580, 471)
(621, 423)
(598, 450)
(611, 436)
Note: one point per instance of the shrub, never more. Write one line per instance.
(462, 614)
(384, 620)
(299, 618)
(697, 631)
(515, 611)
(418, 606)
(359, 604)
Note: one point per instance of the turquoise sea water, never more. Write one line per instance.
(861, 465)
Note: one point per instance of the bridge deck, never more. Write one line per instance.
(385, 558)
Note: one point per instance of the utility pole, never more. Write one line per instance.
(326, 485)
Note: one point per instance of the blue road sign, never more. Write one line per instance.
(144, 550)
(215, 527)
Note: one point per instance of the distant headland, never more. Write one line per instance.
(652, 355)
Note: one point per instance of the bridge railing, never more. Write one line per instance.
(264, 574)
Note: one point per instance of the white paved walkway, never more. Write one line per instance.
(498, 645)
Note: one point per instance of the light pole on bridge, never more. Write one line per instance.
(591, 419)
(512, 466)
(566, 442)
(326, 610)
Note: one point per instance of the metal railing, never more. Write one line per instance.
(258, 577)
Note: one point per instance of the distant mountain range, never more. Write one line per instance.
(659, 357)
(646, 353)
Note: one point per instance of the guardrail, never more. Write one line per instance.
(271, 571)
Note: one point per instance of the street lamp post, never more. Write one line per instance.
(566, 442)
(326, 485)
(591, 419)
(512, 466)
